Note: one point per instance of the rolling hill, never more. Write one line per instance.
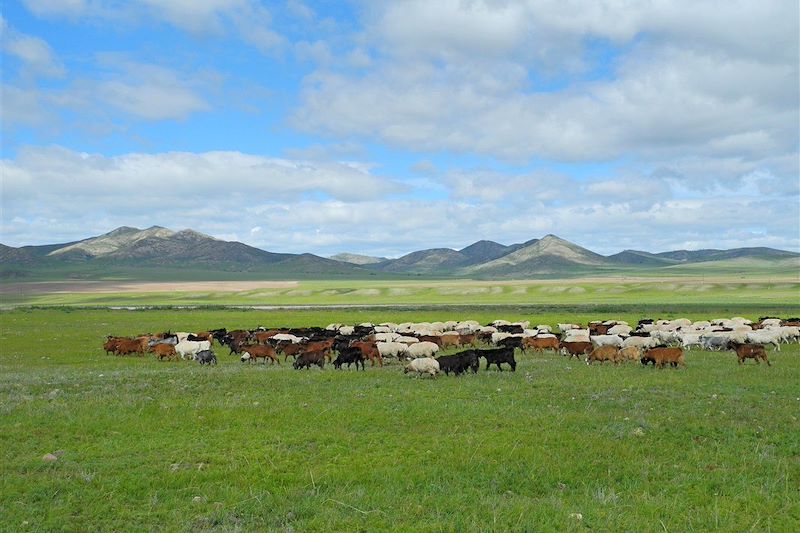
(161, 253)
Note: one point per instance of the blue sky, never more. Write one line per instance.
(385, 127)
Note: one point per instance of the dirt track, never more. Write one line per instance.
(140, 287)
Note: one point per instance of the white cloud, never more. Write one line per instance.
(300, 206)
(37, 56)
(247, 18)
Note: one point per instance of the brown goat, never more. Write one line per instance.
(540, 344)
(576, 348)
(260, 351)
(370, 351)
(602, 354)
(662, 356)
(750, 351)
(164, 351)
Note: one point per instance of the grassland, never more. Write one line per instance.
(715, 290)
(554, 446)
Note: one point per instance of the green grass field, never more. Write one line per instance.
(554, 446)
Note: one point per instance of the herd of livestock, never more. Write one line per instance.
(660, 342)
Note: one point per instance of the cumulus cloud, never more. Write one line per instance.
(677, 81)
(325, 208)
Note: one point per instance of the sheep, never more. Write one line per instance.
(763, 336)
(423, 349)
(288, 337)
(564, 328)
(639, 342)
(622, 330)
(423, 365)
(576, 335)
(607, 340)
(392, 349)
(385, 337)
(407, 340)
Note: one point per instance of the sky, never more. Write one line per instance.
(383, 127)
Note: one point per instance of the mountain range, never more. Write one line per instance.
(134, 253)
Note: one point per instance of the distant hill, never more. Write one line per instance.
(695, 256)
(435, 260)
(357, 259)
(550, 254)
(157, 252)
(129, 249)
(638, 258)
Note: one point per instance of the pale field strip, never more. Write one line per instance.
(368, 287)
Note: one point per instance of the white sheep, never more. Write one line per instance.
(606, 340)
(423, 349)
(623, 330)
(423, 365)
(765, 336)
(385, 337)
(392, 349)
(639, 342)
(407, 340)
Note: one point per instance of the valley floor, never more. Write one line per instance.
(555, 445)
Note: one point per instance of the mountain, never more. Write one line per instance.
(434, 260)
(357, 259)
(639, 258)
(548, 255)
(163, 250)
(161, 253)
(483, 251)
(696, 256)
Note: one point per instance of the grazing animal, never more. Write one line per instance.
(539, 344)
(630, 353)
(423, 349)
(188, 349)
(451, 363)
(110, 345)
(576, 348)
(254, 352)
(206, 357)
(661, 356)
(164, 351)
(498, 356)
(310, 358)
(349, 356)
(750, 351)
(602, 354)
(423, 365)
(128, 346)
(370, 351)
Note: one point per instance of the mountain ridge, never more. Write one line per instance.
(157, 247)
